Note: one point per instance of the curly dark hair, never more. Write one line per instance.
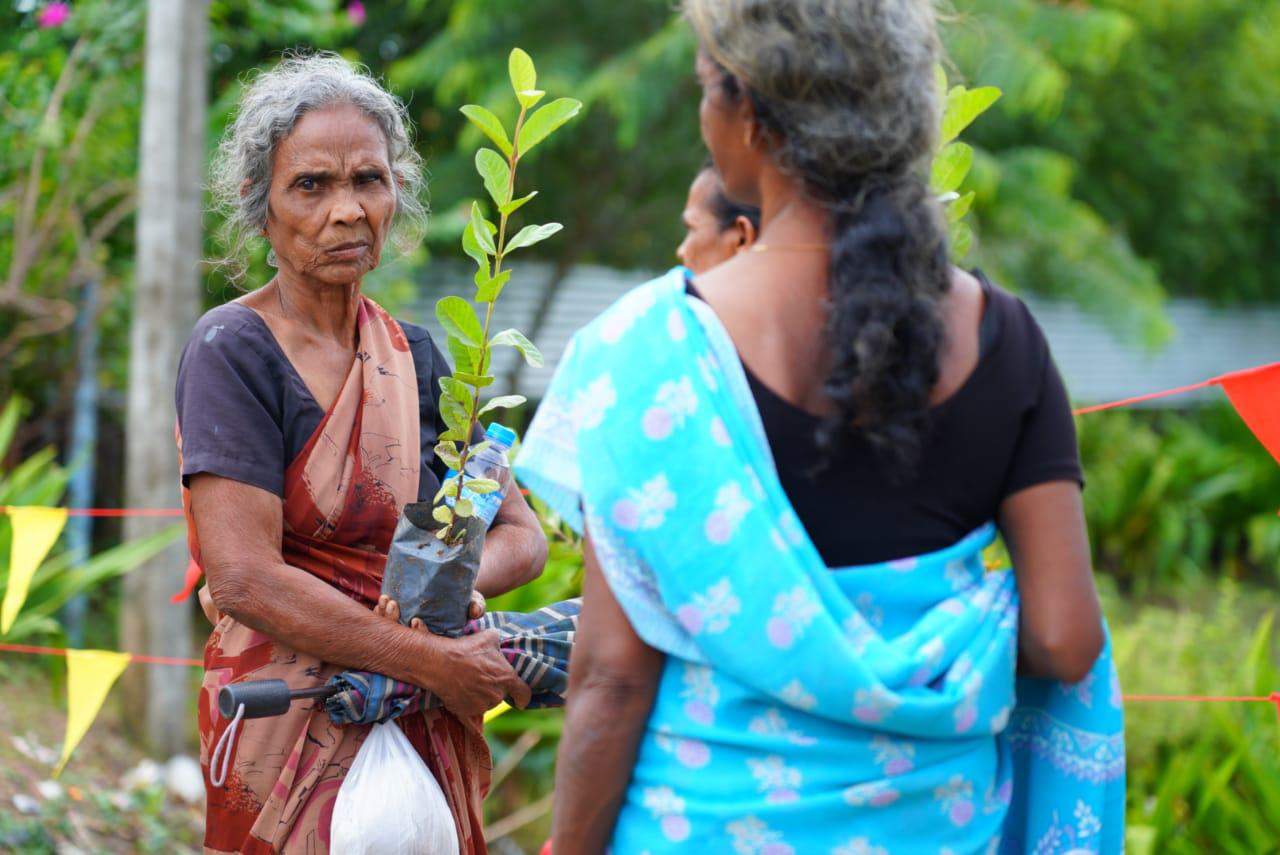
(844, 92)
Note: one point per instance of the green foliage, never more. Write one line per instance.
(1173, 499)
(1177, 143)
(39, 480)
(1036, 229)
(953, 161)
(70, 103)
(488, 245)
(1202, 776)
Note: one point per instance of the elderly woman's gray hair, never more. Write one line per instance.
(270, 106)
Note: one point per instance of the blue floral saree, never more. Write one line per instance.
(802, 709)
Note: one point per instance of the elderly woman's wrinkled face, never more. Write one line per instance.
(332, 199)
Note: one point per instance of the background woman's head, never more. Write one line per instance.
(319, 161)
(838, 96)
(715, 227)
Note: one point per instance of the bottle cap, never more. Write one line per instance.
(500, 435)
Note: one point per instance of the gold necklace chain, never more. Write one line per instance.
(795, 247)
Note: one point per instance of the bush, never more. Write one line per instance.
(1202, 776)
(39, 480)
(1178, 498)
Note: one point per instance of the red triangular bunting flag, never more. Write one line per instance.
(189, 582)
(1255, 394)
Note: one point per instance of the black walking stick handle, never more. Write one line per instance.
(262, 698)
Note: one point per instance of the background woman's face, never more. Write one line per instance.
(705, 245)
(332, 200)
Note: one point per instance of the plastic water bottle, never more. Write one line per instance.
(490, 463)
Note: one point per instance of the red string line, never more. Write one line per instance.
(137, 657)
(1273, 698)
(116, 512)
(1140, 398)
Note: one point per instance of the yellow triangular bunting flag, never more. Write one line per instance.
(496, 711)
(35, 530)
(90, 675)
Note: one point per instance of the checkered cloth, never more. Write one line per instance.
(537, 645)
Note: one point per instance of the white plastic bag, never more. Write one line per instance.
(390, 803)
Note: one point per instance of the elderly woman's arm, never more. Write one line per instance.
(613, 678)
(239, 528)
(515, 549)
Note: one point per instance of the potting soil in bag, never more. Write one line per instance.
(389, 802)
(429, 579)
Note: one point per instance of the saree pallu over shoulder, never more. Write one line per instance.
(868, 710)
(343, 495)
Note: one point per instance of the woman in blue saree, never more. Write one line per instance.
(787, 471)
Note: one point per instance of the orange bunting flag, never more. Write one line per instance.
(189, 582)
(35, 530)
(1255, 394)
(90, 675)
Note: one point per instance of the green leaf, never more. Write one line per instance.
(489, 287)
(448, 453)
(529, 235)
(464, 355)
(12, 414)
(523, 74)
(458, 390)
(464, 508)
(515, 338)
(961, 240)
(480, 446)
(454, 414)
(516, 204)
(479, 229)
(958, 208)
(490, 125)
(455, 435)
(441, 514)
(472, 248)
(496, 173)
(477, 380)
(502, 402)
(545, 121)
(962, 107)
(951, 166)
(481, 486)
(529, 97)
(449, 489)
(458, 318)
(940, 80)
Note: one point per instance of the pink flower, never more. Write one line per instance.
(693, 753)
(718, 527)
(626, 514)
(780, 633)
(961, 812)
(675, 828)
(53, 15)
(355, 12)
(657, 423)
(690, 617)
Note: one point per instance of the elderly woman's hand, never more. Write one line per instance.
(480, 676)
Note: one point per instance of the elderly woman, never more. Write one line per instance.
(306, 421)
(787, 470)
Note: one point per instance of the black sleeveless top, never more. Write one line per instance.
(1008, 427)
